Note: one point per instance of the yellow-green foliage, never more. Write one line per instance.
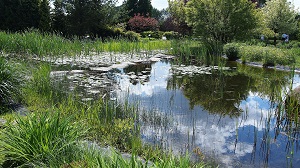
(265, 55)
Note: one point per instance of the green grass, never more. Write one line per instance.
(39, 138)
(10, 81)
(33, 43)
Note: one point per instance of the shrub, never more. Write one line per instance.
(171, 35)
(39, 139)
(132, 36)
(140, 23)
(268, 56)
(10, 81)
(153, 34)
(232, 51)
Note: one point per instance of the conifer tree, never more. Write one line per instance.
(45, 21)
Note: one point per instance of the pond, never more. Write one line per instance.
(231, 116)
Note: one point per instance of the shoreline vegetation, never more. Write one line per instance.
(58, 122)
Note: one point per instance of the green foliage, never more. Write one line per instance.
(38, 139)
(153, 34)
(18, 15)
(221, 20)
(10, 81)
(279, 16)
(231, 50)
(269, 56)
(132, 36)
(171, 35)
(45, 21)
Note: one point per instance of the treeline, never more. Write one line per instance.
(68, 17)
(71, 17)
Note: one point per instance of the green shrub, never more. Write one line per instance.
(231, 50)
(10, 81)
(132, 36)
(153, 34)
(39, 138)
(171, 35)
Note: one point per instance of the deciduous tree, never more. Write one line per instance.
(221, 20)
(280, 16)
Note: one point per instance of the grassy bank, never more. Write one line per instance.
(35, 43)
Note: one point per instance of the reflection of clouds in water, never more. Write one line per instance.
(217, 136)
(259, 110)
(159, 74)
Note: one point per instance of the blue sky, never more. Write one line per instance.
(162, 4)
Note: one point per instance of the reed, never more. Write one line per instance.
(33, 43)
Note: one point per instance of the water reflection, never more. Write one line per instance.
(230, 115)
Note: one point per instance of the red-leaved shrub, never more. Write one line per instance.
(141, 23)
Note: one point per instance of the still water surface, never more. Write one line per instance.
(231, 116)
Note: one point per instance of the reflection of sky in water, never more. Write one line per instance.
(245, 141)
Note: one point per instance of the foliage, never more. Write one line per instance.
(10, 81)
(171, 35)
(39, 138)
(141, 23)
(220, 20)
(279, 16)
(177, 19)
(231, 50)
(132, 36)
(45, 21)
(19, 14)
(144, 7)
(141, 7)
(59, 17)
(269, 56)
(152, 34)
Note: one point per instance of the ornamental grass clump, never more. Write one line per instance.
(38, 139)
(10, 82)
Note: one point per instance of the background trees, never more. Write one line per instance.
(220, 20)
(280, 16)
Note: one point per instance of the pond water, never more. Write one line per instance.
(232, 116)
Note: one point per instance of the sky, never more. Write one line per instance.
(162, 4)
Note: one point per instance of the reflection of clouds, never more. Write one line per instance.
(257, 109)
(217, 136)
(212, 133)
(159, 74)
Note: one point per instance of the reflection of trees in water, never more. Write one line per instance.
(217, 93)
(222, 92)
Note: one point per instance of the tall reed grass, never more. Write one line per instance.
(35, 43)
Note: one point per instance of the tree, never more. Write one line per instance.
(91, 17)
(177, 19)
(144, 7)
(220, 20)
(59, 17)
(45, 20)
(18, 15)
(131, 6)
(280, 16)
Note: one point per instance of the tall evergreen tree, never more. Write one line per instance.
(30, 14)
(19, 14)
(144, 7)
(45, 20)
(59, 17)
(131, 6)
